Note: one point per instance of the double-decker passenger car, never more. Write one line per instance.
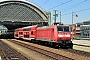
(25, 32)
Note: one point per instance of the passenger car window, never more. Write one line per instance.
(31, 32)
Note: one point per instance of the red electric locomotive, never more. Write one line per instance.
(56, 35)
(59, 35)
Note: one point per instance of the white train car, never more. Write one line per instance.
(3, 29)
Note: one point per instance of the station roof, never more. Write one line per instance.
(21, 10)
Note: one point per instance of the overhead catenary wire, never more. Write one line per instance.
(77, 11)
(75, 5)
(82, 10)
(60, 4)
(45, 2)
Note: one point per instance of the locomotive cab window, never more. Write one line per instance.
(63, 28)
(59, 28)
(66, 29)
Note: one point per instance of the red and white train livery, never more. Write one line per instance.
(58, 35)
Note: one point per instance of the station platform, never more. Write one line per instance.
(82, 42)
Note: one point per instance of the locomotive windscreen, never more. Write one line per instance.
(63, 28)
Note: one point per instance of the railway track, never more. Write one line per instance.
(74, 51)
(79, 52)
(70, 54)
(8, 53)
(51, 55)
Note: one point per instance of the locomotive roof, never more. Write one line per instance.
(44, 27)
(50, 26)
(29, 26)
(25, 27)
(62, 25)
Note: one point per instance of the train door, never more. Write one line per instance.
(52, 33)
(33, 33)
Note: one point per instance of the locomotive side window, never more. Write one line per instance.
(66, 29)
(52, 30)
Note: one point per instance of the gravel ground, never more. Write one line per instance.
(36, 56)
(26, 52)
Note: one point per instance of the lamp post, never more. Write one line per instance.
(60, 16)
(72, 25)
(55, 15)
(72, 22)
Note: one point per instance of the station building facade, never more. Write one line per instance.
(85, 31)
(82, 30)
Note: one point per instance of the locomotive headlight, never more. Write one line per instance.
(63, 35)
(67, 35)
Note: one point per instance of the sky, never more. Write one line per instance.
(79, 7)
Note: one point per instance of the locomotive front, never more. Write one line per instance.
(64, 36)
